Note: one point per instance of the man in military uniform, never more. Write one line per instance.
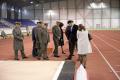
(45, 40)
(56, 37)
(38, 38)
(18, 41)
(3, 34)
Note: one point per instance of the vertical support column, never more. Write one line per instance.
(20, 13)
(67, 8)
(34, 11)
(59, 8)
(75, 3)
(10, 12)
(119, 14)
(16, 12)
(84, 12)
(93, 17)
(110, 14)
(101, 17)
(0, 10)
(50, 15)
(42, 11)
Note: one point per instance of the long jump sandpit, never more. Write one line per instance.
(36, 70)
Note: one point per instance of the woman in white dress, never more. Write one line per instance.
(83, 43)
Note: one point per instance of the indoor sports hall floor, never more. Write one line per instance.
(102, 64)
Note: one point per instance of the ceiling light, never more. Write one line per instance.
(31, 2)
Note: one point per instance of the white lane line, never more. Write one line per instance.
(108, 44)
(56, 75)
(113, 70)
(111, 39)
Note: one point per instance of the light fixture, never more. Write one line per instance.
(31, 2)
(50, 12)
(37, 5)
(94, 5)
(19, 11)
(12, 9)
(25, 11)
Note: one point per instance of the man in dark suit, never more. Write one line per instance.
(71, 34)
(34, 51)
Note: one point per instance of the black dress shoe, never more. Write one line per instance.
(16, 59)
(46, 58)
(25, 57)
(56, 56)
(39, 58)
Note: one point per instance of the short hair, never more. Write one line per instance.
(40, 22)
(81, 27)
(18, 23)
(61, 24)
(70, 21)
(46, 24)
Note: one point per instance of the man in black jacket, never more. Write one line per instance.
(71, 34)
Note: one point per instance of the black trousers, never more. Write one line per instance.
(34, 51)
(72, 45)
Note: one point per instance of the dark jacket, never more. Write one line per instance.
(71, 34)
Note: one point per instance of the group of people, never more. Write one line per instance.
(76, 35)
(3, 34)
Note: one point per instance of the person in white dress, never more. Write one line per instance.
(83, 43)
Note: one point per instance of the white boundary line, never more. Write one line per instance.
(112, 39)
(106, 61)
(108, 44)
(56, 75)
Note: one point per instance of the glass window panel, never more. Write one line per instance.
(106, 13)
(79, 4)
(88, 14)
(54, 5)
(71, 3)
(115, 3)
(115, 23)
(55, 14)
(71, 13)
(115, 13)
(28, 14)
(105, 23)
(87, 3)
(89, 23)
(80, 13)
(38, 6)
(63, 14)
(97, 13)
(29, 7)
(97, 23)
(39, 14)
(106, 1)
(80, 21)
(62, 4)
(47, 5)
(46, 15)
